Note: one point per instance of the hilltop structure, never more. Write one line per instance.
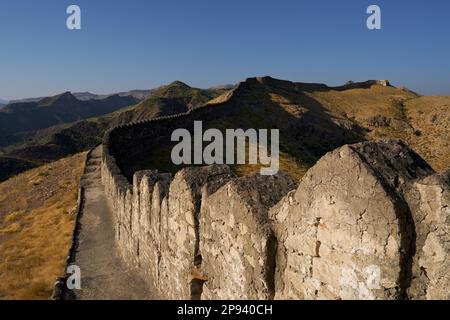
(368, 221)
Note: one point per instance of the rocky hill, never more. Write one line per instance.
(58, 141)
(63, 108)
(314, 119)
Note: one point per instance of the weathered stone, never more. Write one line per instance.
(181, 243)
(347, 233)
(236, 243)
(430, 206)
(153, 187)
(368, 221)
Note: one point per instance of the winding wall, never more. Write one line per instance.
(368, 221)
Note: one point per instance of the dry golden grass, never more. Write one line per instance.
(423, 122)
(288, 164)
(430, 117)
(380, 112)
(361, 104)
(224, 97)
(36, 223)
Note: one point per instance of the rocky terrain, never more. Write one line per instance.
(314, 119)
(36, 147)
(359, 209)
(320, 117)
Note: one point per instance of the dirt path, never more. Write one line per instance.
(104, 275)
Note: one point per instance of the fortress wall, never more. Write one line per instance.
(158, 224)
(368, 221)
(340, 228)
(237, 244)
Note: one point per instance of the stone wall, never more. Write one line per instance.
(368, 221)
(237, 243)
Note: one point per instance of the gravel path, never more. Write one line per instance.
(104, 275)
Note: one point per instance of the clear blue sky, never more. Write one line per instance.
(142, 44)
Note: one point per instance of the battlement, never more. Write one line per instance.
(363, 223)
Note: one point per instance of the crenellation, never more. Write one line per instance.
(241, 264)
(367, 221)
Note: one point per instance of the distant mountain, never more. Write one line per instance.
(64, 108)
(55, 142)
(138, 94)
(176, 97)
(35, 99)
(85, 96)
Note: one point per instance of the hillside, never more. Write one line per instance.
(58, 141)
(389, 112)
(36, 223)
(63, 108)
(174, 98)
(430, 119)
(362, 111)
(314, 119)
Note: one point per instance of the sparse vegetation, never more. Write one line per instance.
(36, 207)
(314, 121)
(36, 224)
(430, 116)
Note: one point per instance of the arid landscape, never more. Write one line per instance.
(42, 164)
(224, 159)
(37, 214)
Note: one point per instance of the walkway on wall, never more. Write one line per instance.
(104, 275)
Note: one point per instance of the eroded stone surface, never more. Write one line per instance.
(430, 201)
(237, 244)
(368, 221)
(347, 232)
(180, 247)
